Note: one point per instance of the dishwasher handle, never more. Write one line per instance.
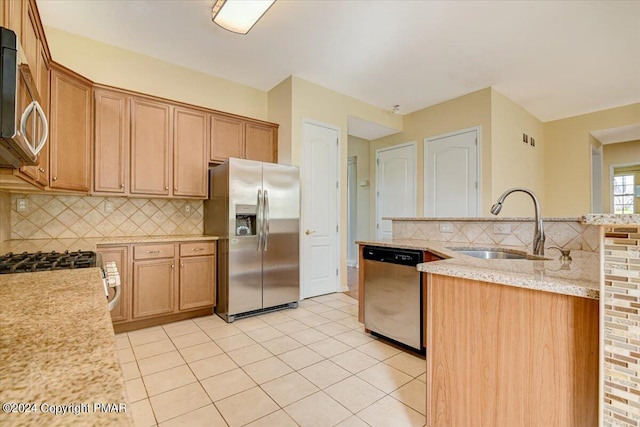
(393, 255)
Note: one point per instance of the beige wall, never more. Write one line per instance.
(514, 163)
(359, 148)
(5, 216)
(125, 69)
(467, 111)
(567, 157)
(624, 153)
(279, 104)
(315, 102)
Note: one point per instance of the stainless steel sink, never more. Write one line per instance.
(496, 253)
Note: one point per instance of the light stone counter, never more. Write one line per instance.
(579, 278)
(611, 219)
(57, 347)
(89, 244)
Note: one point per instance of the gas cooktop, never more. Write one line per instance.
(45, 261)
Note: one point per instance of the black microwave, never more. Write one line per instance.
(23, 124)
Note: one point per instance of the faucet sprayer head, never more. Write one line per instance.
(496, 208)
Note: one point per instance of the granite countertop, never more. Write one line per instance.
(580, 278)
(90, 244)
(487, 219)
(611, 219)
(57, 347)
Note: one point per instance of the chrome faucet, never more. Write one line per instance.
(538, 237)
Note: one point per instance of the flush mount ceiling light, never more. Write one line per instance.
(239, 16)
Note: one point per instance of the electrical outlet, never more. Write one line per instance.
(22, 205)
(501, 229)
(108, 207)
(187, 208)
(446, 228)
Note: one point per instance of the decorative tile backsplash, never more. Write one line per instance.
(563, 234)
(621, 404)
(58, 216)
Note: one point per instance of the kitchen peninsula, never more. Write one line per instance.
(509, 342)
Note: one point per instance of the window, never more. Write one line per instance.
(623, 197)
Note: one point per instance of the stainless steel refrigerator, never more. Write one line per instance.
(254, 208)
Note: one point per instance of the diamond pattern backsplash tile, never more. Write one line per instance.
(50, 216)
(564, 234)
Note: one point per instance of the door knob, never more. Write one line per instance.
(309, 232)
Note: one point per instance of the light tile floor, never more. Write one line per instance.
(311, 366)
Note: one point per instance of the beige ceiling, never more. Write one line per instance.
(554, 58)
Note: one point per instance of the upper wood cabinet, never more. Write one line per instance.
(70, 131)
(44, 88)
(111, 142)
(260, 142)
(12, 16)
(227, 138)
(236, 137)
(190, 165)
(150, 147)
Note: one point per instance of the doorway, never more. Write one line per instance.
(395, 185)
(352, 211)
(319, 261)
(452, 174)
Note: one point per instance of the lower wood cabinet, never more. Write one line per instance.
(154, 287)
(162, 282)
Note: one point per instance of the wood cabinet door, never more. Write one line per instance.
(70, 131)
(153, 287)
(260, 142)
(190, 165)
(12, 18)
(150, 147)
(227, 138)
(44, 86)
(120, 255)
(197, 282)
(111, 142)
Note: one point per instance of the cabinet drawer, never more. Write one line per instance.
(197, 248)
(153, 251)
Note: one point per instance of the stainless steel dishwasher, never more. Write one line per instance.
(393, 294)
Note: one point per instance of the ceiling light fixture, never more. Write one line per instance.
(239, 16)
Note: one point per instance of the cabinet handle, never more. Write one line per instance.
(197, 249)
(182, 265)
(41, 170)
(166, 187)
(55, 178)
(154, 252)
(121, 185)
(172, 266)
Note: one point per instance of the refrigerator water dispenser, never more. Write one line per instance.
(246, 220)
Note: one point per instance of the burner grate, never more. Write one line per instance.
(45, 261)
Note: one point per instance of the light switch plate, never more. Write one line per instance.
(22, 205)
(501, 229)
(446, 228)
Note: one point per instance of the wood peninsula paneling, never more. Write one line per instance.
(503, 356)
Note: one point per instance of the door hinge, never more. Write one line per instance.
(337, 141)
(476, 141)
(378, 226)
(336, 271)
(377, 194)
(336, 228)
(336, 184)
(378, 162)
(476, 185)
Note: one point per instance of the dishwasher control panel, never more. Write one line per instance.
(393, 255)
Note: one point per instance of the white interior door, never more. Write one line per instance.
(452, 175)
(352, 211)
(395, 185)
(319, 172)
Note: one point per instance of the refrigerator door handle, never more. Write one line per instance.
(266, 220)
(259, 220)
